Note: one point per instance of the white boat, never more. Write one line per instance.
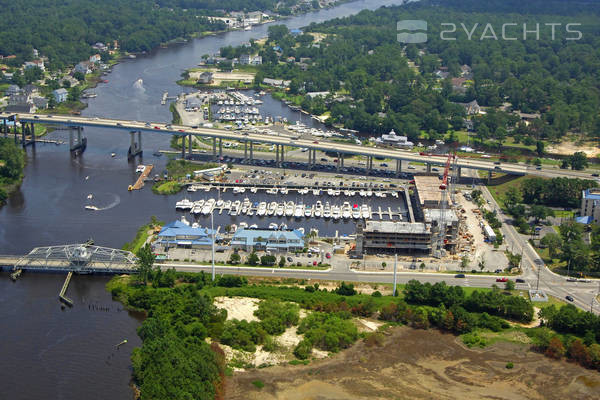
(208, 206)
(307, 211)
(248, 27)
(369, 193)
(289, 209)
(207, 188)
(273, 226)
(299, 211)
(245, 206)
(365, 212)
(243, 225)
(92, 208)
(335, 212)
(235, 208)
(330, 192)
(362, 193)
(280, 210)
(185, 221)
(253, 226)
(220, 203)
(191, 188)
(197, 208)
(316, 192)
(253, 189)
(262, 209)
(356, 212)
(327, 211)
(227, 205)
(272, 209)
(283, 190)
(336, 192)
(346, 210)
(318, 209)
(140, 168)
(184, 204)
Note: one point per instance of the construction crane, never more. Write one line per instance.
(441, 238)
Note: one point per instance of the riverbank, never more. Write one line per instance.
(12, 163)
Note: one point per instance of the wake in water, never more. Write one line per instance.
(139, 85)
(116, 199)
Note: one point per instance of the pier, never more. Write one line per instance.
(140, 180)
(62, 297)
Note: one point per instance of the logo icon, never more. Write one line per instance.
(412, 25)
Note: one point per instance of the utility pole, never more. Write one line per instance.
(395, 267)
(537, 287)
(212, 228)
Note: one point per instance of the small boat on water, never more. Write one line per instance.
(273, 226)
(346, 210)
(280, 210)
(365, 211)
(92, 208)
(308, 211)
(335, 212)
(299, 211)
(318, 209)
(289, 209)
(184, 204)
(327, 211)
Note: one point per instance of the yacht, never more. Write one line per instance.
(191, 188)
(318, 209)
(92, 208)
(243, 225)
(272, 208)
(220, 203)
(289, 209)
(327, 210)
(235, 208)
(262, 209)
(283, 190)
(227, 205)
(336, 192)
(208, 206)
(184, 204)
(273, 226)
(299, 210)
(207, 188)
(316, 192)
(185, 221)
(330, 192)
(346, 210)
(335, 212)
(365, 212)
(369, 193)
(140, 168)
(253, 189)
(362, 193)
(308, 211)
(356, 212)
(197, 209)
(246, 206)
(280, 210)
(253, 226)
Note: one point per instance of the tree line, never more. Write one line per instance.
(12, 162)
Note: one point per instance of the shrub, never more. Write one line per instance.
(509, 365)
(374, 339)
(346, 289)
(232, 281)
(376, 293)
(303, 349)
(258, 384)
(276, 315)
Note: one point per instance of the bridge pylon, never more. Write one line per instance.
(135, 148)
(78, 146)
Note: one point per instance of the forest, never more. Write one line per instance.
(12, 162)
(64, 31)
(377, 84)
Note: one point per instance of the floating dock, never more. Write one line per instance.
(65, 286)
(140, 181)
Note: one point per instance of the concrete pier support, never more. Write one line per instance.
(190, 147)
(183, 147)
(398, 167)
(245, 149)
(220, 148)
(214, 148)
(135, 146)
(339, 163)
(342, 160)
(309, 157)
(251, 151)
(277, 154)
(428, 167)
(370, 164)
(489, 177)
(81, 143)
(459, 173)
(282, 154)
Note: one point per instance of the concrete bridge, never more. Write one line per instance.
(136, 128)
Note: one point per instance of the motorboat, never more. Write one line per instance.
(184, 204)
(273, 226)
(208, 206)
(140, 168)
(272, 208)
(327, 211)
(330, 192)
(308, 211)
(185, 221)
(235, 208)
(246, 206)
(253, 189)
(318, 209)
(262, 209)
(283, 190)
(316, 192)
(220, 203)
(253, 226)
(365, 211)
(356, 212)
(197, 208)
(335, 212)
(299, 210)
(346, 210)
(243, 225)
(280, 210)
(92, 208)
(227, 205)
(289, 209)
(191, 188)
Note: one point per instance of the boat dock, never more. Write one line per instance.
(65, 286)
(140, 181)
(166, 97)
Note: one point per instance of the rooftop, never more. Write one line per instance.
(397, 227)
(428, 188)
(591, 194)
(250, 236)
(434, 214)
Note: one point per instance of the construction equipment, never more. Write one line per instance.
(440, 241)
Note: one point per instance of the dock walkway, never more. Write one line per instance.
(140, 181)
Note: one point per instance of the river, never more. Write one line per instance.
(48, 352)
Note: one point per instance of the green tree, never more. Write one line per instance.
(578, 161)
(540, 213)
(144, 263)
(281, 262)
(234, 258)
(252, 259)
(553, 242)
(510, 285)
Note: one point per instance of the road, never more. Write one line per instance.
(322, 145)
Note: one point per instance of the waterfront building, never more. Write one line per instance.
(60, 95)
(395, 140)
(180, 235)
(393, 237)
(268, 240)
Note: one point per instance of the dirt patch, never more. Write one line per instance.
(238, 307)
(568, 148)
(416, 364)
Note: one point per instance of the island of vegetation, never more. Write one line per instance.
(12, 162)
(189, 340)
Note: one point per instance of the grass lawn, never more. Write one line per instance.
(498, 190)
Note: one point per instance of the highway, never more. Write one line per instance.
(320, 145)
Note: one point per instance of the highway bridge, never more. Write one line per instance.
(279, 141)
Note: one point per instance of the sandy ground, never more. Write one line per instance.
(238, 307)
(219, 77)
(571, 147)
(416, 364)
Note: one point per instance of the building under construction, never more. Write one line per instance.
(434, 229)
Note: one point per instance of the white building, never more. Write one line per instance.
(395, 140)
(590, 205)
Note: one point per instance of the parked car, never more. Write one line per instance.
(290, 259)
(327, 255)
(571, 279)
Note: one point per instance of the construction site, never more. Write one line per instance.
(438, 226)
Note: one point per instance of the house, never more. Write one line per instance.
(193, 104)
(20, 108)
(458, 84)
(290, 59)
(12, 89)
(527, 117)
(30, 90)
(471, 108)
(442, 74)
(466, 72)
(268, 240)
(296, 32)
(177, 234)
(72, 81)
(257, 60)
(40, 103)
(206, 78)
(35, 63)
(84, 67)
(245, 59)
(18, 99)
(95, 58)
(276, 82)
(255, 16)
(395, 140)
(60, 95)
(100, 46)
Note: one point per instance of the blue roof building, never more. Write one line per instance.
(180, 235)
(269, 240)
(590, 204)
